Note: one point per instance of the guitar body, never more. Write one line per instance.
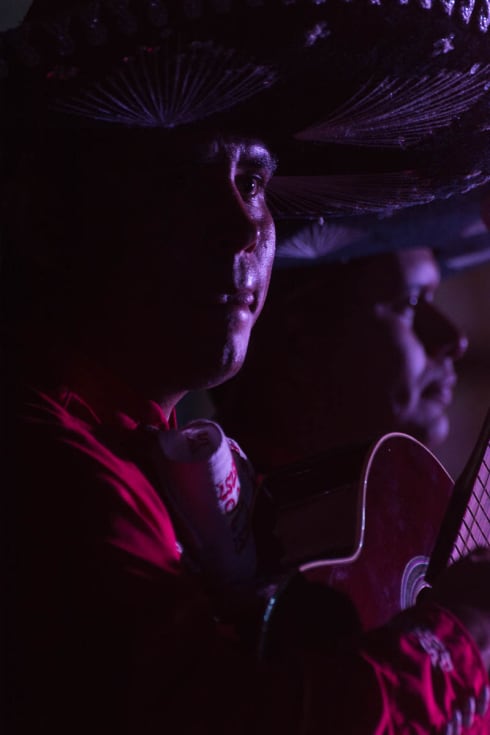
(403, 495)
(369, 539)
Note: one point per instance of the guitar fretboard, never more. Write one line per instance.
(475, 526)
(466, 524)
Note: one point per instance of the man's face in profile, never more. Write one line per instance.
(197, 244)
(410, 346)
(370, 353)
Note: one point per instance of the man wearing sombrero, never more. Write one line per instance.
(138, 255)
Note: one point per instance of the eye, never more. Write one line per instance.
(407, 304)
(250, 185)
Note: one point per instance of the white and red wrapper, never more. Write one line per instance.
(213, 489)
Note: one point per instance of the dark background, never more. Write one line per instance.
(12, 12)
(466, 297)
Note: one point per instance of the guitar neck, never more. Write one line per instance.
(475, 526)
(466, 524)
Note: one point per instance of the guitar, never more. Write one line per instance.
(466, 524)
(383, 534)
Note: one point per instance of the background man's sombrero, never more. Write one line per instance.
(457, 231)
(369, 106)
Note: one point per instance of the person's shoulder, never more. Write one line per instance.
(65, 463)
(56, 431)
(51, 406)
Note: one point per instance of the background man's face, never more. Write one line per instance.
(414, 345)
(377, 354)
(198, 240)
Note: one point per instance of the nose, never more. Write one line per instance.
(438, 333)
(235, 224)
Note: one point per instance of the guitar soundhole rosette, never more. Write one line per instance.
(413, 581)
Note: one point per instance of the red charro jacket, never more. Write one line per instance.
(109, 630)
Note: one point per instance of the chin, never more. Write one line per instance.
(222, 366)
(433, 433)
(226, 372)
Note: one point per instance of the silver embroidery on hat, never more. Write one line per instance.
(316, 240)
(351, 194)
(319, 32)
(164, 88)
(395, 113)
(309, 196)
(444, 45)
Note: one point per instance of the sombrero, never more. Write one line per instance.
(370, 105)
(456, 231)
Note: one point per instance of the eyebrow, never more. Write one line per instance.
(252, 153)
(258, 155)
(244, 151)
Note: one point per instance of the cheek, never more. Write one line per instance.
(404, 362)
(379, 355)
(264, 254)
(267, 240)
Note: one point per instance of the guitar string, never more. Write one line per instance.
(472, 519)
(478, 509)
(476, 517)
(474, 522)
(462, 543)
(478, 498)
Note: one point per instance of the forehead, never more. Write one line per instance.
(150, 156)
(347, 286)
(234, 149)
(418, 263)
(411, 268)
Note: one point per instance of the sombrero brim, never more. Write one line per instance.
(455, 231)
(369, 106)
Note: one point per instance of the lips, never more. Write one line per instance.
(441, 389)
(240, 291)
(237, 287)
(243, 297)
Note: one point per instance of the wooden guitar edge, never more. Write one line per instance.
(360, 526)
